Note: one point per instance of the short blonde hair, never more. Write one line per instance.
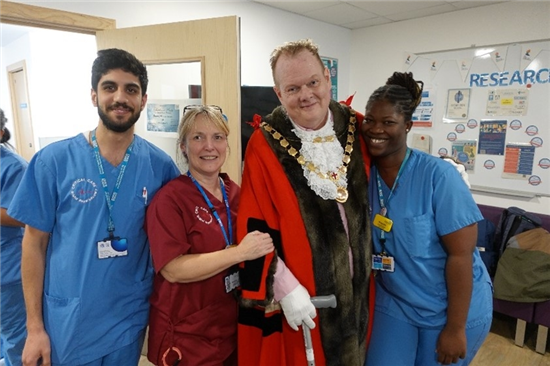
(292, 49)
(188, 121)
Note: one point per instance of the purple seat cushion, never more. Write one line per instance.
(520, 310)
(542, 313)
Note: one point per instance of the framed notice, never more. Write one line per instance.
(458, 103)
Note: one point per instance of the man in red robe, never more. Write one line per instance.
(304, 182)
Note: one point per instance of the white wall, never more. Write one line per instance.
(378, 51)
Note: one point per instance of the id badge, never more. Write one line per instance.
(232, 280)
(112, 247)
(383, 263)
(383, 223)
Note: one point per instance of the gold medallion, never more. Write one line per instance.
(341, 194)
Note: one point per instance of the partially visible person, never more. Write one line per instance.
(191, 226)
(459, 166)
(87, 272)
(12, 303)
(433, 293)
(304, 182)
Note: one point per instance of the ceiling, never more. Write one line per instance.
(354, 14)
(351, 14)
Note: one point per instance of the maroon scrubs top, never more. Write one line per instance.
(197, 320)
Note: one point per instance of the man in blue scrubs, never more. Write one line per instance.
(86, 267)
(12, 311)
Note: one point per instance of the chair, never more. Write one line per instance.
(542, 318)
(522, 311)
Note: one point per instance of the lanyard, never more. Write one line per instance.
(213, 209)
(383, 209)
(110, 198)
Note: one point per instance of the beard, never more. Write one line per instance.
(115, 125)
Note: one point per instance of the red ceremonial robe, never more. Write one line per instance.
(311, 239)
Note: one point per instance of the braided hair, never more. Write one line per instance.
(402, 91)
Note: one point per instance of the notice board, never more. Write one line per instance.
(489, 107)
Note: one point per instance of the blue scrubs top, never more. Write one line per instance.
(12, 167)
(429, 201)
(92, 306)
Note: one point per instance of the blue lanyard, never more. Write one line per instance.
(213, 209)
(110, 198)
(383, 209)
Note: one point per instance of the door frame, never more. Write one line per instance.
(40, 17)
(20, 66)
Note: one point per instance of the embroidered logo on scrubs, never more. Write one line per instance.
(203, 214)
(84, 190)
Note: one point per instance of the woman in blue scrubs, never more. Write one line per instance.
(433, 294)
(12, 304)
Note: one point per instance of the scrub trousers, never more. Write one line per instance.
(398, 343)
(13, 318)
(125, 356)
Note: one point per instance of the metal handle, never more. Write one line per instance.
(328, 301)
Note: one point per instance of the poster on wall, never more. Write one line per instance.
(465, 152)
(518, 161)
(507, 102)
(458, 103)
(332, 66)
(423, 115)
(492, 137)
(162, 116)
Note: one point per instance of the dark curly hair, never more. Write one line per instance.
(402, 91)
(7, 135)
(114, 58)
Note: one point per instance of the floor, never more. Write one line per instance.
(499, 348)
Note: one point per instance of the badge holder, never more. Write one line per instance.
(113, 246)
(232, 280)
(383, 261)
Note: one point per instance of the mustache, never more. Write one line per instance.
(121, 105)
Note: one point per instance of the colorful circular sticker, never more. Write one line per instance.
(544, 163)
(472, 123)
(532, 130)
(536, 142)
(451, 136)
(534, 180)
(442, 152)
(460, 128)
(462, 157)
(515, 124)
(489, 164)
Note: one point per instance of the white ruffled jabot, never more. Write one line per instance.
(322, 148)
